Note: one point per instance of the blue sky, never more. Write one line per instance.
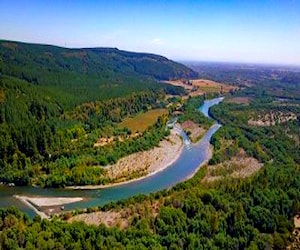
(264, 31)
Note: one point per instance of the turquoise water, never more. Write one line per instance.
(186, 165)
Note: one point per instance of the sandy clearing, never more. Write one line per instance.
(198, 87)
(109, 218)
(51, 201)
(196, 132)
(238, 100)
(239, 166)
(272, 118)
(297, 221)
(42, 201)
(45, 206)
(203, 83)
(25, 200)
(181, 83)
(294, 242)
(121, 217)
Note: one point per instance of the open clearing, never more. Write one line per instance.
(238, 100)
(202, 86)
(272, 118)
(45, 206)
(51, 201)
(142, 121)
(239, 166)
(209, 86)
(181, 83)
(102, 141)
(195, 131)
(121, 218)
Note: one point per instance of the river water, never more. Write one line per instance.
(189, 160)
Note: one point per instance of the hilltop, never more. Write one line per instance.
(91, 72)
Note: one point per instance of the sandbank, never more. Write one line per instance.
(45, 206)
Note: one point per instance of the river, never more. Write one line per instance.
(189, 160)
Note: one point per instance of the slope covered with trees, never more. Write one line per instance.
(87, 74)
(55, 103)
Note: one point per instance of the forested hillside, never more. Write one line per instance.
(87, 74)
(56, 102)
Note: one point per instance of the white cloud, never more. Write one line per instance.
(157, 41)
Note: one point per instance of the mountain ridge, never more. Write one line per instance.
(101, 58)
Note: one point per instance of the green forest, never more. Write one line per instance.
(55, 103)
(48, 127)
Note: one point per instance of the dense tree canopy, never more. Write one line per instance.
(55, 103)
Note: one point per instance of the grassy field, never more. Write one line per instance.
(142, 121)
(201, 86)
(208, 86)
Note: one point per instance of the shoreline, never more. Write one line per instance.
(24, 200)
(210, 151)
(159, 169)
(209, 156)
(47, 206)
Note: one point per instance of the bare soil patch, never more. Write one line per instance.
(195, 132)
(108, 140)
(147, 162)
(109, 219)
(297, 221)
(201, 86)
(46, 206)
(181, 83)
(120, 218)
(209, 86)
(238, 100)
(295, 237)
(271, 118)
(239, 166)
